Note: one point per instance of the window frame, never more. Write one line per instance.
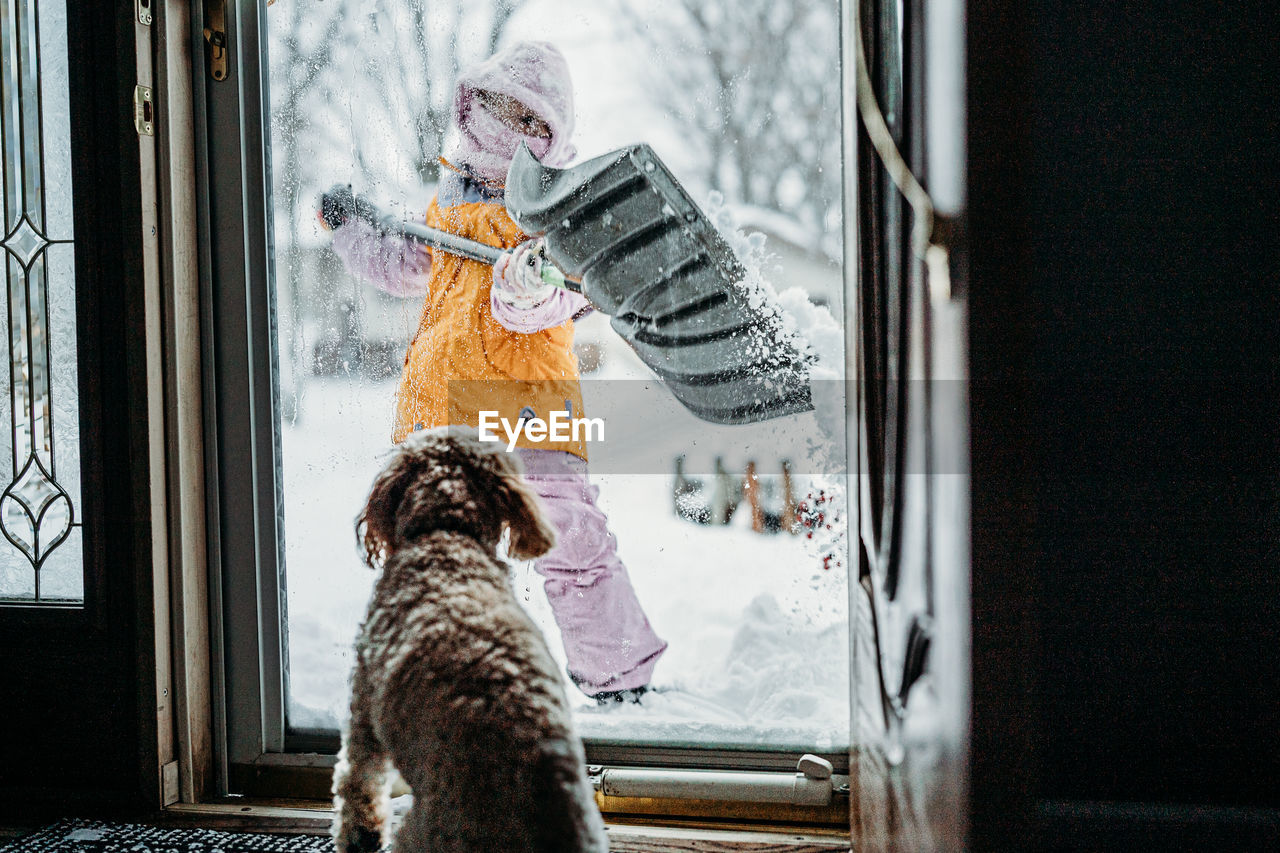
(245, 566)
(910, 769)
(255, 752)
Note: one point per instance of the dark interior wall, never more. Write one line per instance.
(1156, 308)
(77, 687)
(1125, 316)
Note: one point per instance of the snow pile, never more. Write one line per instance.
(765, 343)
(757, 629)
(818, 334)
(773, 665)
(809, 328)
(749, 249)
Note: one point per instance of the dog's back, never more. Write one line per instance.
(454, 683)
(471, 709)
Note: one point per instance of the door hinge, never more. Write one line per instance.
(216, 36)
(143, 8)
(144, 114)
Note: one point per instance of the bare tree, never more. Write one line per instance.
(373, 93)
(297, 58)
(755, 85)
(360, 92)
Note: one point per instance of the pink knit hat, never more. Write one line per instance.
(532, 72)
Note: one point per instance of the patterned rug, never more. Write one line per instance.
(91, 836)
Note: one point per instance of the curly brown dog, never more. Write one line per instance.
(453, 683)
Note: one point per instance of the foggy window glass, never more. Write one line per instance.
(728, 541)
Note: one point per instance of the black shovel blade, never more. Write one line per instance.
(649, 258)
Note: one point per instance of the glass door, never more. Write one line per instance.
(729, 541)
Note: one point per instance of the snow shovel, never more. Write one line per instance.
(622, 226)
(624, 233)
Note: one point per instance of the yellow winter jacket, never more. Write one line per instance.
(462, 361)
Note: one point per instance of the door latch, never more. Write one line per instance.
(144, 114)
(215, 36)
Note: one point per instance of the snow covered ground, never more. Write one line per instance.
(757, 627)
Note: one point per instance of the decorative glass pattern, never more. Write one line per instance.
(40, 554)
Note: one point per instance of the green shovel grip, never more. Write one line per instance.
(552, 276)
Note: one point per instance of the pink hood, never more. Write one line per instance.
(532, 72)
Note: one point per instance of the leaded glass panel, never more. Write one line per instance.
(40, 552)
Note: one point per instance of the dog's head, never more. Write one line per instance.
(446, 479)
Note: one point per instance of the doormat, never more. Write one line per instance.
(91, 836)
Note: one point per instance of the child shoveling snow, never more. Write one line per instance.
(499, 338)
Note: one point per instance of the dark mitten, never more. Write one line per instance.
(337, 205)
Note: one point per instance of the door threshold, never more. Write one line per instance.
(313, 817)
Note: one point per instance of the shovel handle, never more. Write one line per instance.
(434, 238)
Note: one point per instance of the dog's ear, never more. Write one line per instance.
(376, 524)
(531, 534)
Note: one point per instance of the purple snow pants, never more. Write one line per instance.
(607, 638)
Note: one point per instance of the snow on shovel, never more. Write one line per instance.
(624, 233)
